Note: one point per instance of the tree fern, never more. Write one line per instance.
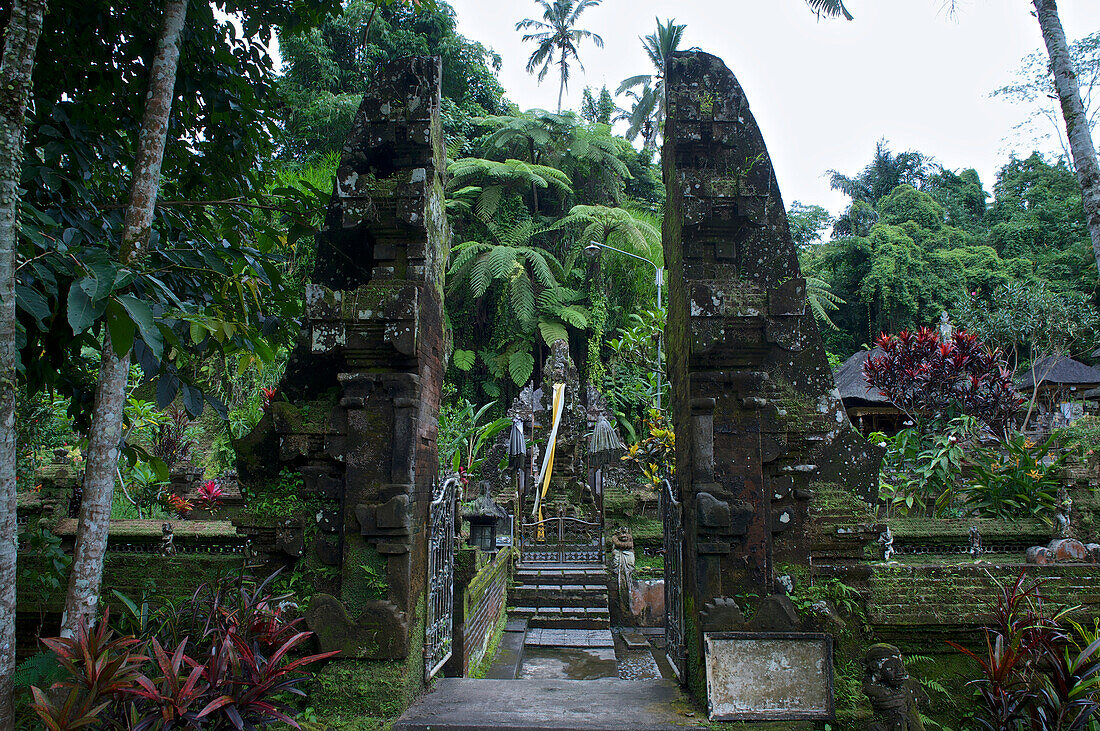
(822, 299)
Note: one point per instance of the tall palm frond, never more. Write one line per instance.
(829, 8)
(649, 102)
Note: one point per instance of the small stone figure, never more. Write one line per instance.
(975, 549)
(167, 540)
(946, 330)
(1062, 514)
(887, 541)
(893, 694)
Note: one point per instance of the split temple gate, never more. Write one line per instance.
(760, 425)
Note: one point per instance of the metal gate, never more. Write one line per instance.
(672, 513)
(439, 629)
(561, 540)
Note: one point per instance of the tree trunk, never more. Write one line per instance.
(104, 438)
(561, 87)
(1073, 112)
(534, 188)
(16, 65)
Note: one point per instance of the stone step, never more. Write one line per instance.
(563, 617)
(560, 576)
(563, 596)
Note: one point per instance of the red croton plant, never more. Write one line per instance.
(221, 659)
(935, 380)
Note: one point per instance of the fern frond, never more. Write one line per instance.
(521, 297)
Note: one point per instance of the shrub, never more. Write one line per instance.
(230, 665)
(934, 381)
(1014, 481)
(919, 472)
(1034, 673)
(171, 438)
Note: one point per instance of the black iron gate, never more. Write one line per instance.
(672, 514)
(561, 540)
(439, 628)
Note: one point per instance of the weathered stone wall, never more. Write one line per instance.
(759, 423)
(484, 600)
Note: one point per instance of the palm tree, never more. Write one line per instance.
(829, 8)
(648, 111)
(558, 35)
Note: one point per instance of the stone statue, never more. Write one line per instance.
(167, 540)
(887, 541)
(946, 331)
(893, 694)
(975, 549)
(1062, 510)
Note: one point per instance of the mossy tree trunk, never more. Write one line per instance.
(16, 65)
(104, 437)
(1073, 112)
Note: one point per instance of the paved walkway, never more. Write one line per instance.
(610, 704)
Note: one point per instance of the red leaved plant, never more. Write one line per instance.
(1030, 677)
(101, 669)
(237, 675)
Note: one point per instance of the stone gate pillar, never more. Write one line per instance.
(759, 424)
(357, 412)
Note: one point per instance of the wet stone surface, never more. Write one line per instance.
(568, 663)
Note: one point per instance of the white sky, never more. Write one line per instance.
(823, 91)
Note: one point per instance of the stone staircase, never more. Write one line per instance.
(561, 596)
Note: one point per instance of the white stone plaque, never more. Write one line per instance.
(769, 676)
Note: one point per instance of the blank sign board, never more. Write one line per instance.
(773, 676)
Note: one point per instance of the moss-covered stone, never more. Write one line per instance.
(370, 690)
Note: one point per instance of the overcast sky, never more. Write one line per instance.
(822, 91)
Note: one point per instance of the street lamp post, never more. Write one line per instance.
(593, 249)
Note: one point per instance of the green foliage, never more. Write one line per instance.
(1030, 319)
(920, 471)
(328, 68)
(597, 108)
(842, 596)
(1082, 437)
(207, 282)
(41, 426)
(281, 498)
(630, 381)
(1015, 481)
(807, 223)
(464, 432)
(39, 669)
(44, 565)
(655, 453)
(918, 239)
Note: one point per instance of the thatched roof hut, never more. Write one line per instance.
(867, 408)
(1058, 372)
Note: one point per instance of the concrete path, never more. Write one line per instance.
(463, 704)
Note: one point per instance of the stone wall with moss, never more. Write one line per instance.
(484, 602)
(366, 694)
